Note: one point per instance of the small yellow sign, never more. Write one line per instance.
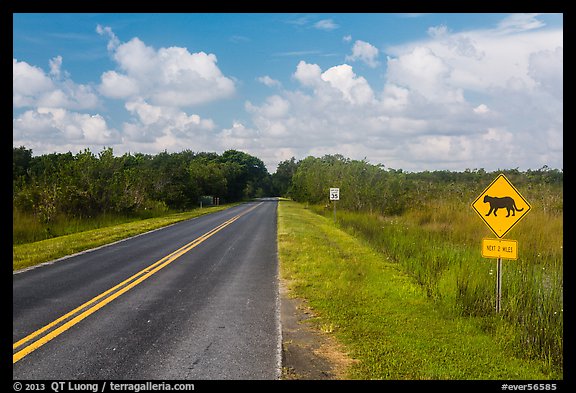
(501, 206)
(500, 248)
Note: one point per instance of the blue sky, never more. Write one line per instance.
(410, 91)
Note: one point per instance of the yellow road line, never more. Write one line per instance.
(114, 292)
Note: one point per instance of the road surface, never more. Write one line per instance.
(196, 300)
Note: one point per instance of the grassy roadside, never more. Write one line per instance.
(382, 316)
(30, 254)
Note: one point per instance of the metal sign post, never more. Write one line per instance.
(500, 206)
(334, 196)
(498, 284)
(334, 211)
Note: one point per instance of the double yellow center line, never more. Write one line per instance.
(65, 322)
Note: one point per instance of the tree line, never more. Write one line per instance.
(88, 184)
(374, 188)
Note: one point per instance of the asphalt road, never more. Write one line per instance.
(137, 310)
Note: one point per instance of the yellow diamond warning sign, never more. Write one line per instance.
(501, 206)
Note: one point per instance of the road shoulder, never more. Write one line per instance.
(307, 352)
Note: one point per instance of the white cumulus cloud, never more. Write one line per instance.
(155, 128)
(268, 81)
(32, 87)
(51, 129)
(308, 74)
(49, 110)
(355, 89)
(454, 100)
(166, 77)
(424, 72)
(365, 52)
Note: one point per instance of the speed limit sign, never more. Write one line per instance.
(334, 194)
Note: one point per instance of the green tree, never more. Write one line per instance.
(210, 176)
(245, 175)
(282, 178)
(172, 182)
(21, 159)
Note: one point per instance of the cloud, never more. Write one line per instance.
(166, 77)
(115, 85)
(489, 98)
(546, 68)
(355, 89)
(238, 136)
(307, 74)
(300, 21)
(298, 53)
(157, 86)
(340, 81)
(55, 66)
(307, 22)
(337, 112)
(266, 80)
(32, 87)
(365, 52)
(472, 99)
(480, 60)
(438, 31)
(239, 39)
(481, 109)
(519, 22)
(28, 83)
(156, 127)
(48, 111)
(113, 41)
(274, 107)
(425, 73)
(326, 25)
(51, 129)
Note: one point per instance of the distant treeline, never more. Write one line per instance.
(368, 187)
(88, 184)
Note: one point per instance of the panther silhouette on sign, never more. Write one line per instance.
(496, 203)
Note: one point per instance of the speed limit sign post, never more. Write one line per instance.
(334, 196)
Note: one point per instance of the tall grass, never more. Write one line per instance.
(27, 228)
(439, 246)
(382, 316)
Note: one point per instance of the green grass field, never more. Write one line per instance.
(387, 316)
(439, 246)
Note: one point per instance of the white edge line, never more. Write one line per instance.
(278, 307)
(91, 249)
(102, 246)
(278, 329)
